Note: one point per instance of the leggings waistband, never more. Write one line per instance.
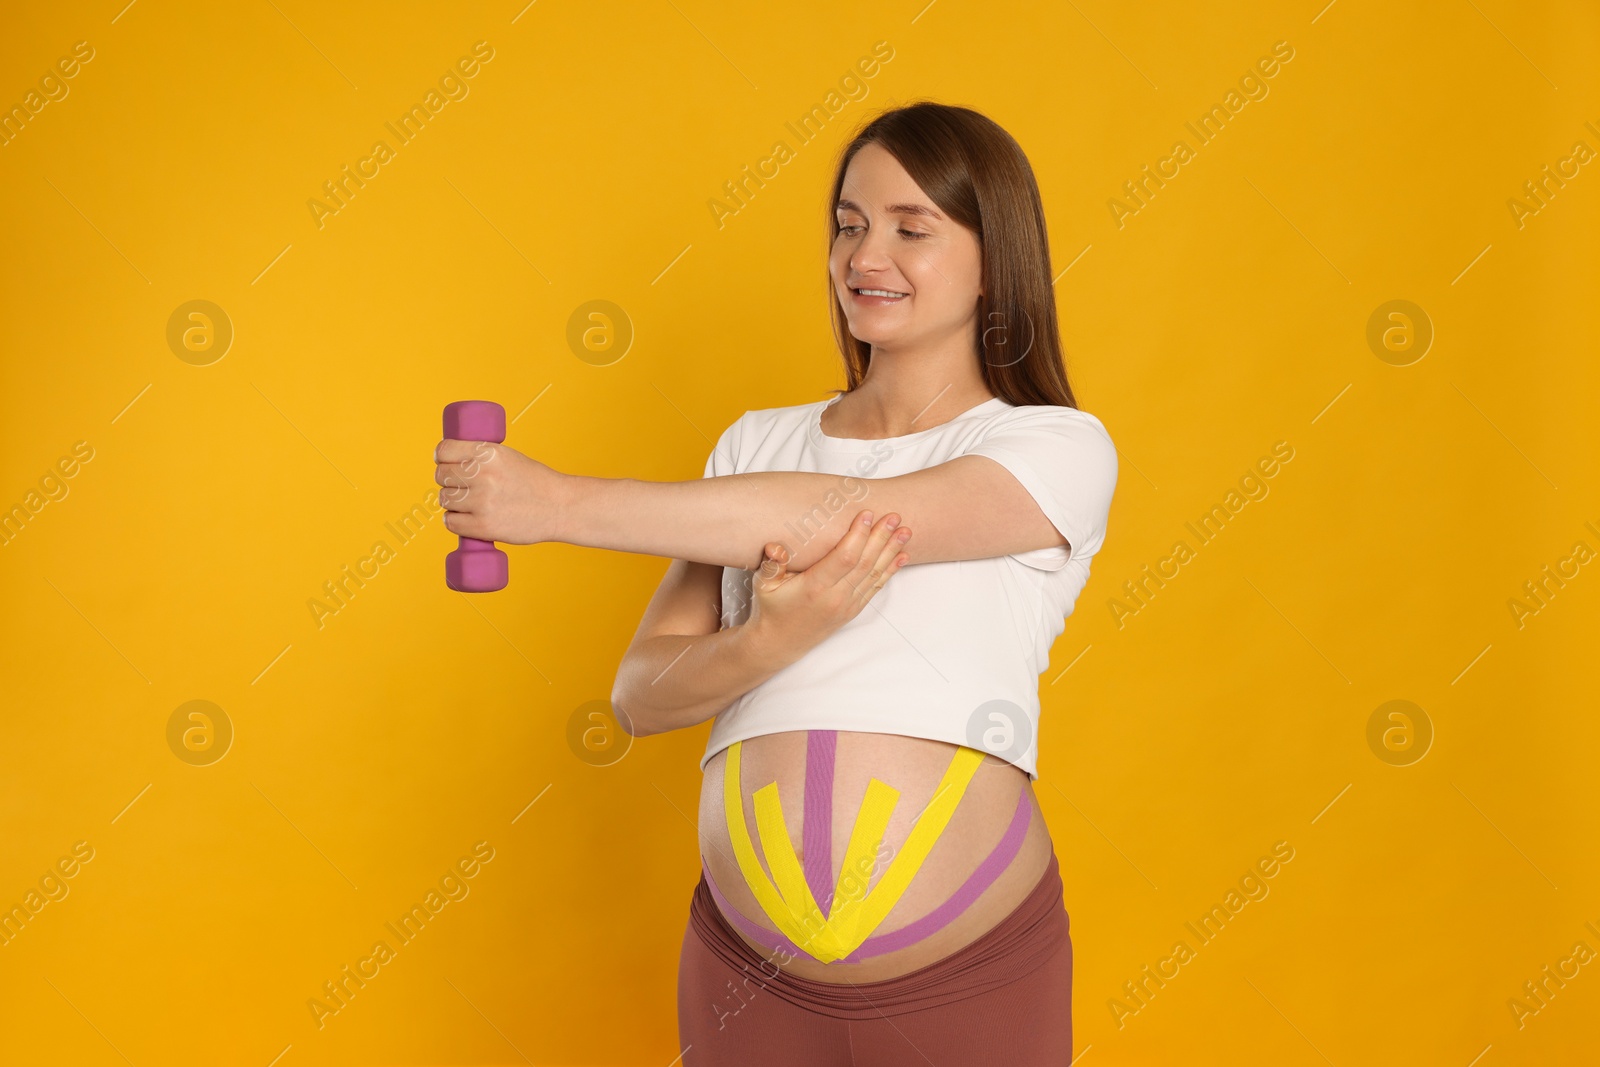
(1010, 950)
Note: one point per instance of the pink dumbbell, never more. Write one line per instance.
(477, 566)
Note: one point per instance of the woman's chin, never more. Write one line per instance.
(874, 336)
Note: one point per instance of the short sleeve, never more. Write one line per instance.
(1067, 462)
(724, 455)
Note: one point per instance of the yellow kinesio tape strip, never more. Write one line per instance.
(856, 919)
(865, 837)
(766, 895)
(820, 939)
(792, 908)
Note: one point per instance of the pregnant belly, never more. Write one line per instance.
(803, 875)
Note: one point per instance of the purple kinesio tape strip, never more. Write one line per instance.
(770, 940)
(998, 859)
(816, 819)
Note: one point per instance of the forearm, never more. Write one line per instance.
(677, 680)
(723, 521)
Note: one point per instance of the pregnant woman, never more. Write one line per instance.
(878, 884)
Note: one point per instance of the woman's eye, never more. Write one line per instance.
(846, 231)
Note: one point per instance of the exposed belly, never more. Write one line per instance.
(995, 826)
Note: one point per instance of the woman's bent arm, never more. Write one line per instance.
(680, 669)
(677, 680)
(969, 507)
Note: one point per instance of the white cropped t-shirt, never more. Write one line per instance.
(950, 650)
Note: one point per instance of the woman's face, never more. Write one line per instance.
(892, 237)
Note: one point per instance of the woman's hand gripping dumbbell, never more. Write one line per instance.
(490, 493)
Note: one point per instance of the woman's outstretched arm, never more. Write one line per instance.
(969, 507)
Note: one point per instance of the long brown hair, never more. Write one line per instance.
(977, 175)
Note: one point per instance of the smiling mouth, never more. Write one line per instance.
(887, 293)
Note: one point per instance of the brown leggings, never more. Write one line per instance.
(1004, 998)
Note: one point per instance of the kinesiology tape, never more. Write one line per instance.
(998, 860)
(835, 924)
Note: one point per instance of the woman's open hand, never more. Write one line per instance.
(799, 609)
(495, 493)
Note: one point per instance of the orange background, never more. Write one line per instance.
(375, 748)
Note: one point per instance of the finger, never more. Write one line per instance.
(882, 531)
(451, 450)
(465, 525)
(888, 561)
(871, 588)
(892, 548)
(456, 488)
(775, 559)
(482, 452)
(843, 557)
(449, 474)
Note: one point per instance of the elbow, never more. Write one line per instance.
(627, 712)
